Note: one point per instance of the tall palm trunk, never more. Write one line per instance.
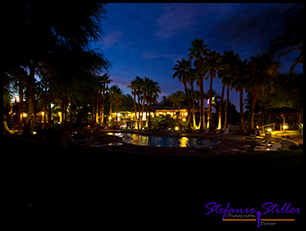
(199, 111)
(150, 101)
(30, 102)
(97, 108)
(93, 108)
(101, 109)
(143, 104)
(111, 108)
(193, 106)
(255, 93)
(210, 100)
(45, 107)
(135, 109)
(49, 106)
(69, 109)
(138, 109)
(147, 113)
(173, 105)
(221, 106)
(64, 107)
(178, 114)
(188, 104)
(226, 107)
(20, 103)
(117, 106)
(241, 111)
(202, 112)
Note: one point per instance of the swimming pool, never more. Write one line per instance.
(163, 141)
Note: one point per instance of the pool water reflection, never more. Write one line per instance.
(162, 141)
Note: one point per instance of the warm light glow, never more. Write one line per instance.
(184, 119)
(34, 133)
(109, 117)
(185, 113)
(269, 129)
(42, 113)
(285, 127)
(59, 113)
(176, 128)
(24, 114)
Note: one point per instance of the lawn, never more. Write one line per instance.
(92, 184)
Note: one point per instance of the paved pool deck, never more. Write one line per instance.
(230, 141)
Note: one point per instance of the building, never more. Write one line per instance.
(126, 118)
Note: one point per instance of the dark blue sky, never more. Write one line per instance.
(147, 39)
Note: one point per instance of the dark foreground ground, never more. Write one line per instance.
(89, 189)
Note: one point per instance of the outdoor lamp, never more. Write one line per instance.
(109, 117)
(24, 114)
(176, 128)
(269, 129)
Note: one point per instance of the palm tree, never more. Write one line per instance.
(198, 52)
(105, 80)
(137, 83)
(225, 74)
(111, 101)
(193, 75)
(262, 71)
(177, 98)
(181, 70)
(292, 39)
(134, 93)
(239, 83)
(145, 89)
(197, 99)
(115, 97)
(152, 94)
(213, 64)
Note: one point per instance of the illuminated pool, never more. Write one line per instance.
(163, 141)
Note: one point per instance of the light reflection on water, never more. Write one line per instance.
(162, 141)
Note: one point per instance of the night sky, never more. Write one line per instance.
(146, 39)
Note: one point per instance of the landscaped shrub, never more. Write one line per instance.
(293, 147)
(163, 122)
